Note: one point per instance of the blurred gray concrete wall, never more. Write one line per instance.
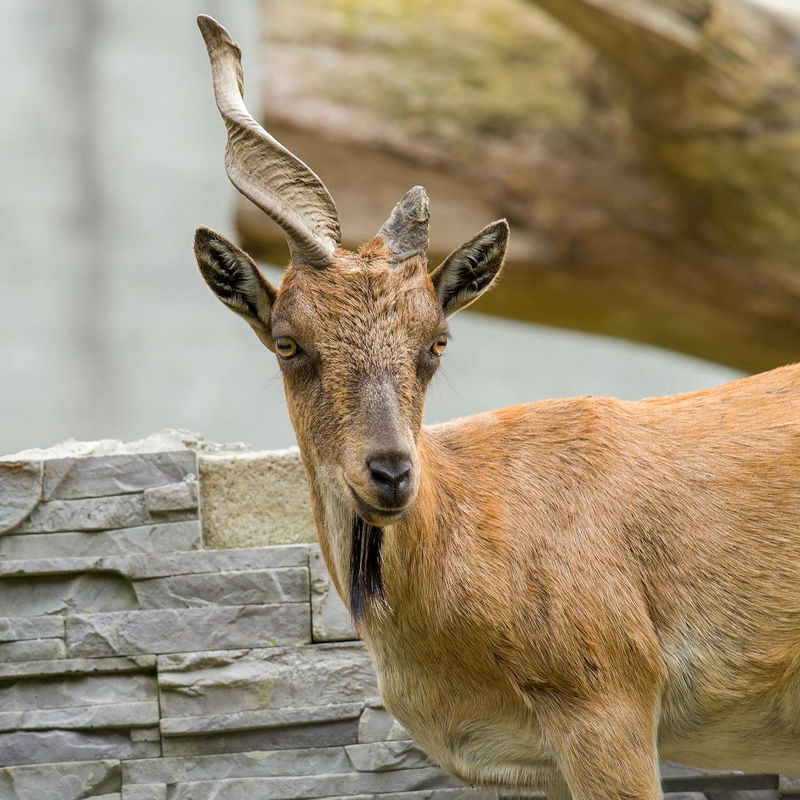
(111, 153)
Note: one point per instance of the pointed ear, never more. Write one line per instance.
(472, 268)
(234, 278)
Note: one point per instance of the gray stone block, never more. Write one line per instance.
(313, 761)
(198, 684)
(330, 619)
(81, 592)
(384, 756)
(48, 566)
(160, 537)
(109, 715)
(78, 666)
(314, 786)
(444, 794)
(73, 691)
(65, 781)
(321, 735)
(20, 491)
(146, 734)
(13, 628)
(378, 725)
(111, 796)
(685, 796)
(47, 747)
(758, 794)
(148, 791)
(95, 476)
(172, 497)
(189, 629)
(200, 561)
(677, 778)
(89, 514)
(789, 784)
(461, 793)
(281, 585)
(32, 649)
(256, 720)
(255, 499)
(160, 565)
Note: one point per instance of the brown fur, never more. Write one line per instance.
(577, 583)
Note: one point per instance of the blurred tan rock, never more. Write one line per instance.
(644, 151)
(254, 499)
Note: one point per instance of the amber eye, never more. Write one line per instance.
(439, 346)
(286, 347)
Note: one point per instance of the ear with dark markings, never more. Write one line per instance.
(234, 278)
(472, 268)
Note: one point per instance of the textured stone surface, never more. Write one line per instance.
(190, 629)
(249, 680)
(43, 747)
(78, 666)
(325, 734)
(166, 564)
(109, 715)
(20, 491)
(13, 628)
(65, 781)
(789, 784)
(378, 725)
(172, 497)
(330, 619)
(682, 778)
(150, 791)
(323, 760)
(254, 499)
(64, 594)
(384, 756)
(289, 788)
(32, 649)
(146, 734)
(253, 720)
(95, 476)
(71, 691)
(90, 514)
(160, 537)
(282, 585)
(442, 794)
(158, 565)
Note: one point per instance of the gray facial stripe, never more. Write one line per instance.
(384, 424)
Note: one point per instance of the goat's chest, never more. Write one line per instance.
(463, 718)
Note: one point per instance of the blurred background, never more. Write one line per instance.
(645, 152)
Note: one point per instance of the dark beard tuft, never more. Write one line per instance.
(366, 580)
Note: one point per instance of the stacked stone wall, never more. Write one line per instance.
(144, 658)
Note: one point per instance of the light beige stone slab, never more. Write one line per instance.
(254, 499)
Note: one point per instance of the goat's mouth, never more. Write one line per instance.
(374, 515)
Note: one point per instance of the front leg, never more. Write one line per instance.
(605, 747)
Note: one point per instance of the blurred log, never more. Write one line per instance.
(645, 151)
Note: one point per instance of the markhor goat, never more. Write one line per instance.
(553, 593)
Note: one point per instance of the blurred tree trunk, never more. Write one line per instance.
(646, 152)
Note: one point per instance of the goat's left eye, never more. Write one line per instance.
(439, 346)
(286, 347)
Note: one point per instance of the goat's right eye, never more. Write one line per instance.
(286, 347)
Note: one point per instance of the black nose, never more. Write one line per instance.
(390, 473)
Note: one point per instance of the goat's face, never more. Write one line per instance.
(357, 342)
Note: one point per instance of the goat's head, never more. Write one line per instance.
(358, 335)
